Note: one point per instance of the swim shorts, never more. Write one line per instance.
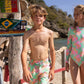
(40, 71)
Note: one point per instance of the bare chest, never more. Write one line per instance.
(39, 38)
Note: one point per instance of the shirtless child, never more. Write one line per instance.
(39, 39)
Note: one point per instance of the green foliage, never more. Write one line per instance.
(55, 15)
(51, 15)
(61, 12)
(70, 15)
(63, 25)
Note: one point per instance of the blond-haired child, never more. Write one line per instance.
(75, 46)
(39, 39)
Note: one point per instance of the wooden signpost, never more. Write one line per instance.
(10, 27)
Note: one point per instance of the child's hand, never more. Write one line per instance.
(27, 75)
(51, 74)
(67, 67)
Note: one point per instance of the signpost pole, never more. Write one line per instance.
(15, 48)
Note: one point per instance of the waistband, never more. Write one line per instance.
(39, 61)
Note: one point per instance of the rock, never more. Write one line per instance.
(47, 24)
(3, 39)
(53, 27)
(56, 35)
(24, 6)
(61, 49)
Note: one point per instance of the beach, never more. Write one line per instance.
(61, 77)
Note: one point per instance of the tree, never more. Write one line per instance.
(70, 16)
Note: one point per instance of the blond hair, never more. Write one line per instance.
(80, 9)
(37, 9)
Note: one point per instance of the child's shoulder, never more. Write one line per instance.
(70, 29)
(26, 33)
(48, 30)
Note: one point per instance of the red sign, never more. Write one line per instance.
(14, 6)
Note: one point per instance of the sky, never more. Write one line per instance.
(65, 5)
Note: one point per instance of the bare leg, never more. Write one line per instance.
(82, 73)
(75, 72)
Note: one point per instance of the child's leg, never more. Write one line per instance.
(44, 72)
(82, 73)
(75, 72)
(43, 78)
(34, 69)
(40, 72)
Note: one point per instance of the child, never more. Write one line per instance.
(38, 39)
(75, 47)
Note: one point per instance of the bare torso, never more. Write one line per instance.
(38, 42)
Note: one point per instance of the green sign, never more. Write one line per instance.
(11, 27)
(8, 23)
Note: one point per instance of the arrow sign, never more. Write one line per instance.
(11, 27)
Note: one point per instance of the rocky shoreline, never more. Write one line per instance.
(62, 33)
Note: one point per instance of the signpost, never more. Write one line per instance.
(12, 27)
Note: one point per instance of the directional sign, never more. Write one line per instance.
(11, 27)
(8, 24)
(9, 6)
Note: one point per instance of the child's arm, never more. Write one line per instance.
(52, 54)
(26, 73)
(68, 51)
(69, 46)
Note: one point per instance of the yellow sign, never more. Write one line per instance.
(8, 6)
